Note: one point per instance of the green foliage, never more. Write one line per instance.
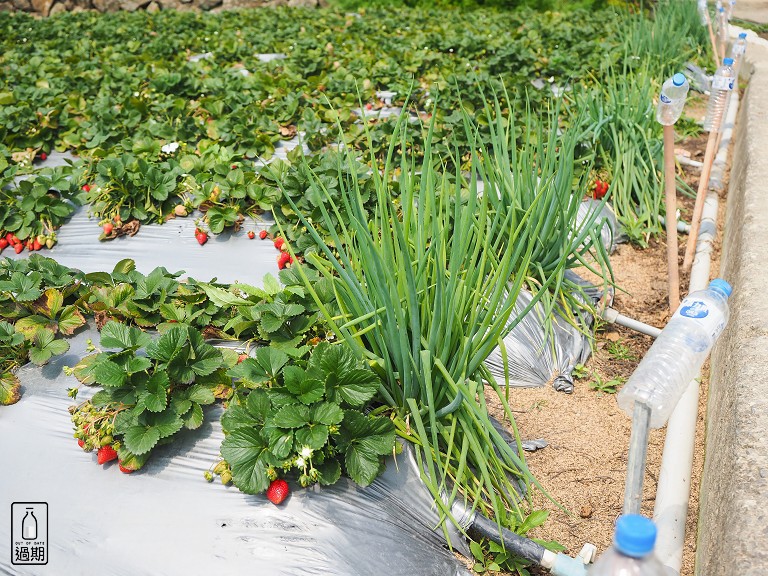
(150, 398)
(304, 416)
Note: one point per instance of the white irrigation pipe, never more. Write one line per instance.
(674, 486)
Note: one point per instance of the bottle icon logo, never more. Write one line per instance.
(29, 533)
(696, 309)
(664, 98)
(29, 525)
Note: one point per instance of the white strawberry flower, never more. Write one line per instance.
(300, 462)
(170, 148)
(306, 452)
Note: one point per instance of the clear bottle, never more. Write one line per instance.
(738, 50)
(729, 9)
(672, 99)
(703, 12)
(722, 84)
(722, 28)
(632, 550)
(678, 353)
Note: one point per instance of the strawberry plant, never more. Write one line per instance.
(304, 418)
(37, 206)
(146, 398)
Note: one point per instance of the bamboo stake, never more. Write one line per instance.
(671, 219)
(709, 156)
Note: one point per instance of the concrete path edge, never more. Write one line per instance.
(733, 518)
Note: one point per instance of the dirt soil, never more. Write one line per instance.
(583, 467)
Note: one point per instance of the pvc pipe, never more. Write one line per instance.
(682, 227)
(613, 316)
(638, 451)
(673, 490)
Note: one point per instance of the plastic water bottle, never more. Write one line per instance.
(632, 550)
(729, 9)
(672, 100)
(703, 12)
(722, 84)
(738, 50)
(722, 28)
(678, 353)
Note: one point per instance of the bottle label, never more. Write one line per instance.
(722, 83)
(698, 311)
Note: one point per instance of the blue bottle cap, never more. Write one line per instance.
(678, 79)
(635, 535)
(722, 9)
(728, 61)
(721, 286)
(743, 35)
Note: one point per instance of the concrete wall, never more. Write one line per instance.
(48, 7)
(733, 521)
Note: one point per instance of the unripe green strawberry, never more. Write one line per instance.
(220, 467)
(226, 477)
(106, 440)
(208, 476)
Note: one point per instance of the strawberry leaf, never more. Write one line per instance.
(70, 320)
(141, 439)
(109, 374)
(314, 436)
(166, 423)
(291, 416)
(280, 442)
(194, 417)
(167, 347)
(329, 472)
(117, 335)
(10, 389)
(308, 390)
(201, 394)
(327, 413)
(248, 456)
(44, 346)
(155, 398)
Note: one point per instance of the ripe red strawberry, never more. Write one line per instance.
(263, 234)
(106, 454)
(234, 166)
(202, 237)
(279, 243)
(251, 234)
(14, 239)
(3, 244)
(369, 106)
(81, 442)
(43, 156)
(86, 187)
(283, 260)
(108, 227)
(278, 491)
(123, 469)
(241, 358)
(18, 248)
(36, 245)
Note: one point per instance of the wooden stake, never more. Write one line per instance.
(701, 194)
(671, 218)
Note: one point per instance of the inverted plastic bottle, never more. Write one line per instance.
(672, 100)
(632, 550)
(738, 50)
(722, 84)
(703, 12)
(678, 353)
(722, 27)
